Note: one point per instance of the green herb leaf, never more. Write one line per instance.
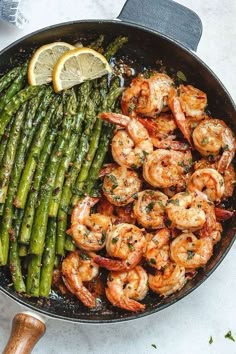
(210, 340)
(226, 147)
(229, 336)
(154, 346)
(181, 76)
(174, 201)
(152, 261)
(204, 141)
(113, 180)
(114, 240)
(149, 207)
(190, 255)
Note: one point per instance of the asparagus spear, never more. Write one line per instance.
(73, 172)
(15, 87)
(30, 208)
(5, 138)
(114, 93)
(31, 163)
(33, 275)
(67, 158)
(114, 46)
(9, 77)
(97, 43)
(14, 259)
(48, 259)
(41, 215)
(14, 104)
(9, 157)
(26, 138)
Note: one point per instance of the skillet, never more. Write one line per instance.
(157, 30)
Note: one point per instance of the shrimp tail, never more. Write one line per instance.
(125, 303)
(110, 264)
(82, 294)
(115, 118)
(222, 214)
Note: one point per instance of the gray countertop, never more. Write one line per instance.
(211, 309)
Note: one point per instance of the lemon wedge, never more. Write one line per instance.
(42, 62)
(78, 65)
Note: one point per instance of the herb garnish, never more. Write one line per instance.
(113, 180)
(190, 255)
(114, 240)
(152, 261)
(181, 76)
(174, 201)
(154, 346)
(204, 141)
(210, 340)
(149, 207)
(230, 336)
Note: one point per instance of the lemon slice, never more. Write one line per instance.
(42, 62)
(77, 66)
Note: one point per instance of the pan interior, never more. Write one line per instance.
(144, 48)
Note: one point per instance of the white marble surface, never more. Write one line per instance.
(185, 327)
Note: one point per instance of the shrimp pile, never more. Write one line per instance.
(160, 212)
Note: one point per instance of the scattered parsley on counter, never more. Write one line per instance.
(154, 346)
(229, 336)
(210, 340)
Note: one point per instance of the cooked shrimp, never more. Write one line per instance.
(160, 131)
(164, 168)
(190, 252)
(121, 186)
(193, 101)
(74, 272)
(158, 249)
(118, 215)
(149, 208)
(228, 175)
(125, 242)
(208, 181)
(88, 231)
(216, 233)
(213, 135)
(125, 288)
(188, 211)
(130, 146)
(168, 281)
(180, 119)
(146, 97)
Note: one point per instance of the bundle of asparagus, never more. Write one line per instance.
(52, 148)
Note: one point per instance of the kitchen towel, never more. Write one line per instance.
(12, 12)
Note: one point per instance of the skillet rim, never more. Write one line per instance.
(205, 276)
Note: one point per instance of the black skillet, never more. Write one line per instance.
(157, 29)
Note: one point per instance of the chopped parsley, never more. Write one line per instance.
(229, 336)
(174, 201)
(133, 166)
(226, 147)
(135, 196)
(84, 256)
(113, 179)
(190, 255)
(181, 76)
(149, 207)
(152, 261)
(204, 141)
(131, 107)
(114, 240)
(154, 346)
(131, 247)
(210, 340)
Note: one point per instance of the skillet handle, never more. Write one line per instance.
(167, 17)
(27, 329)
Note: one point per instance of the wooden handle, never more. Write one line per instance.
(27, 329)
